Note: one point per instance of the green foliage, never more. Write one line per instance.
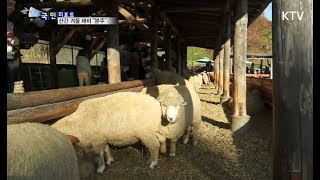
(260, 36)
(196, 53)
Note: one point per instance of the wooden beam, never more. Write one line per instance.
(126, 21)
(191, 9)
(240, 117)
(103, 41)
(64, 41)
(199, 37)
(169, 22)
(56, 110)
(292, 42)
(132, 19)
(37, 98)
(56, 4)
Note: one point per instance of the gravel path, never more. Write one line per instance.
(219, 155)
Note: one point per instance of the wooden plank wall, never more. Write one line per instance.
(264, 86)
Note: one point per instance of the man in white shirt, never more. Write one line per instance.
(83, 68)
(10, 44)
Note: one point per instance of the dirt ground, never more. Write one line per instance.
(220, 154)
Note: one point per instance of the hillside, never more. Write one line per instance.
(260, 36)
(259, 41)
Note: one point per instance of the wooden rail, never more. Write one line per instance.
(264, 86)
(49, 109)
(37, 98)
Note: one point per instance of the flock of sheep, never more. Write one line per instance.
(170, 110)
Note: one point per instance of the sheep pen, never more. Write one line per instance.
(220, 154)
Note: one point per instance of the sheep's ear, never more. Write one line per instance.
(73, 139)
(177, 84)
(184, 103)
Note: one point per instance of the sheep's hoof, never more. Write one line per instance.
(172, 154)
(109, 161)
(101, 169)
(153, 163)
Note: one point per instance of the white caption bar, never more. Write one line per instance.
(87, 20)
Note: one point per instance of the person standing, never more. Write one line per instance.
(83, 68)
(10, 47)
(134, 61)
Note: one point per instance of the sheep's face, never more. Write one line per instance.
(170, 112)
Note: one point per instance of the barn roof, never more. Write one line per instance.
(197, 22)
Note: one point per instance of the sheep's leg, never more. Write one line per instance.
(109, 156)
(173, 143)
(163, 146)
(195, 129)
(101, 163)
(152, 143)
(187, 135)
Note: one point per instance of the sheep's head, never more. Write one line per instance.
(171, 102)
(170, 112)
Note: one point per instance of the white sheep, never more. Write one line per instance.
(118, 119)
(36, 151)
(166, 77)
(183, 119)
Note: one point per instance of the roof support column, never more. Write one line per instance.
(113, 55)
(53, 60)
(216, 68)
(184, 56)
(226, 61)
(154, 37)
(292, 91)
(221, 58)
(240, 117)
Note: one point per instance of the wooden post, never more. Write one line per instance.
(221, 57)
(217, 75)
(113, 55)
(292, 90)
(216, 67)
(168, 48)
(53, 60)
(154, 39)
(261, 61)
(179, 58)
(240, 117)
(184, 56)
(271, 68)
(226, 61)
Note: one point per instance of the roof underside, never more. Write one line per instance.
(197, 22)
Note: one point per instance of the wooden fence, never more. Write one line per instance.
(41, 106)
